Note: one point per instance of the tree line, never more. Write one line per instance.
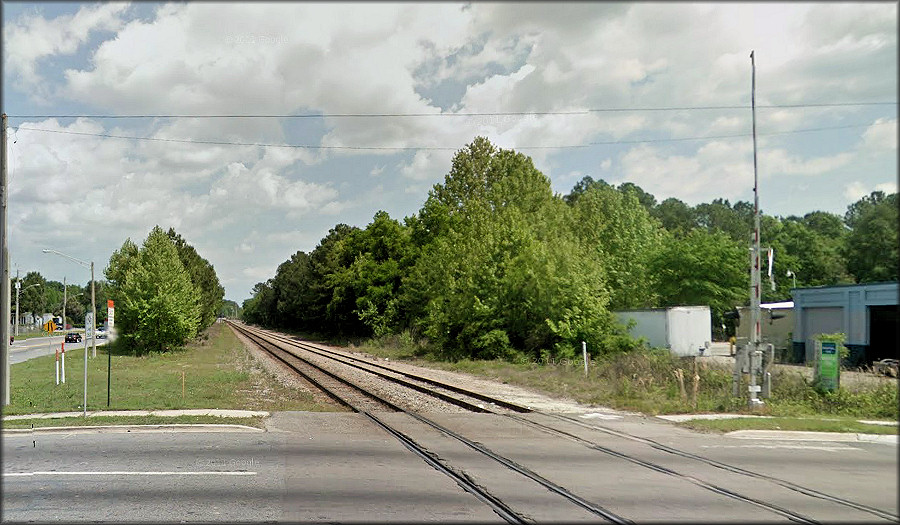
(38, 296)
(494, 263)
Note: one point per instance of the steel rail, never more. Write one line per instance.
(453, 388)
(272, 348)
(737, 470)
(549, 485)
(500, 508)
(731, 468)
(791, 515)
(518, 408)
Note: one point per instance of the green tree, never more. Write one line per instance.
(619, 232)
(872, 243)
(646, 200)
(675, 216)
(582, 186)
(155, 293)
(736, 221)
(703, 268)
(504, 269)
(203, 276)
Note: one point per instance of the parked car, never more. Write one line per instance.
(73, 337)
(101, 334)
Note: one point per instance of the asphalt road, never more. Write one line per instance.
(39, 346)
(340, 467)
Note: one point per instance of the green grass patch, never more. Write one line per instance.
(33, 335)
(789, 423)
(218, 372)
(648, 381)
(255, 421)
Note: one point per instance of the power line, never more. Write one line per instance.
(436, 148)
(465, 114)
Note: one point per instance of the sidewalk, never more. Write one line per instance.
(792, 435)
(161, 413)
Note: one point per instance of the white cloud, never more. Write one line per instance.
(855, 191)
(33, 37)
(881, 135)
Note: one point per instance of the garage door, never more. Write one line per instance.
(820, 321)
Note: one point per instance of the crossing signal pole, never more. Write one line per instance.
(749, 360)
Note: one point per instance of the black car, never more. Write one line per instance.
(73, 337)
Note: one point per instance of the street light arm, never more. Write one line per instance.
(79, 261)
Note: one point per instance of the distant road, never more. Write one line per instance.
(40, 346)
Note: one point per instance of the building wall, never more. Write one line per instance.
(776, 331)
(845, 308)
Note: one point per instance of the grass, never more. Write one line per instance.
(218, 372)
(647, 382)
(133, 420)
(787, 423)
(32, 335)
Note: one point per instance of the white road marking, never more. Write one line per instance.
(130, 473)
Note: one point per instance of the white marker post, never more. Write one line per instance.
(63, 345)
(584, 353)
(57, 367)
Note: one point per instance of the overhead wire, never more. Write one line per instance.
(461, 114)
(436, 148)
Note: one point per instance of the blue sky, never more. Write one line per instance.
(248, 208)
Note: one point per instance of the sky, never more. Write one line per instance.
(650, 93)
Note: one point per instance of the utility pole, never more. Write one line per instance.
(749, 359)
(4, 265)
(65, 289)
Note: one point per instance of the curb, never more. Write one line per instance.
(160, 413)
(796, 435)
(134, 429)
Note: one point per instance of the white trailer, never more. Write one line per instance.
(684, 330)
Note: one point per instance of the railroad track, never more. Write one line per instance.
(498, 506)
(479, 402)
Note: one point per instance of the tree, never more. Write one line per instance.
(735, 221)
(203, 276)
(621, 234)
(703, 268)
(155, 294)
(31, 294)
(872, 244)
(581, 187)
(503, 268)
(646, 200)
(675, 216)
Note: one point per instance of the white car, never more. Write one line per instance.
(101, 334)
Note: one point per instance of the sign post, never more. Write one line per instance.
(828, 365)
(110, 310)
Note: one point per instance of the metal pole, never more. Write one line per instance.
(755, 313)
(108, 371)
(94, 311)
(65, 297)
(4, 264)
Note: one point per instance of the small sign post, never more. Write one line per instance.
(828, 365)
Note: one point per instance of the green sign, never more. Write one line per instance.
(828, 368)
